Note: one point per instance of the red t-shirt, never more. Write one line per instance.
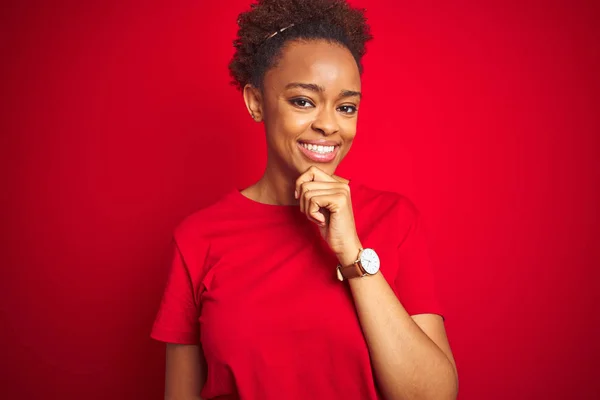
(255, 286)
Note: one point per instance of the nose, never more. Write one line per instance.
(326, 122)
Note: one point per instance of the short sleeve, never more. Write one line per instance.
(415, 283)
(177, 317)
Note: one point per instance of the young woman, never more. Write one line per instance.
(304, 285)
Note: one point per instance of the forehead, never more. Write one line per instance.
(330, 65)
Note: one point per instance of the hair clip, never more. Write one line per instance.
(279, 31)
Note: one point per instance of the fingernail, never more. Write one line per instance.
(296, 194)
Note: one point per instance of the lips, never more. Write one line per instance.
(321, 142)
(319, 150)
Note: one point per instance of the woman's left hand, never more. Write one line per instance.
(326, 201)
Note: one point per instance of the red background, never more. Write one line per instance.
(118, 121)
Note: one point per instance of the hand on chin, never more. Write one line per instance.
(325, 200)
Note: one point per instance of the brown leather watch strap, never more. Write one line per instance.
(349, 272)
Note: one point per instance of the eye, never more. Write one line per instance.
(348, 109)
(301, 103)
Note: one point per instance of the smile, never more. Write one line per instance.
(318, 153)
(318, 149)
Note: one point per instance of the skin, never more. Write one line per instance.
(411, 356)
(302, 113)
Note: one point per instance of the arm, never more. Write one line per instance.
(185, 372)
(411, 356)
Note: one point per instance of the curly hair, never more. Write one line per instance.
(257, 51)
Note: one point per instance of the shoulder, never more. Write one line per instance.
(198, 226)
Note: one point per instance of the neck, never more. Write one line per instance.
(276, 186)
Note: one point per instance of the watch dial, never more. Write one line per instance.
(369, 261)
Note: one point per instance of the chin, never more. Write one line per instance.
(299, 164)
(328, 168)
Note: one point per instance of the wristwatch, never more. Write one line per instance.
(367, 263)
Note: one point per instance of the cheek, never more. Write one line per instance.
(348, 129)
(290, 124)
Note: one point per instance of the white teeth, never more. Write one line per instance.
(318, 149)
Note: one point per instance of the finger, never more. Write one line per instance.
(306, 204)
(302, 201)
(313, 174)
(312, 209)
(339, 178)
(316, 185)
(308, 194)
(330, 200)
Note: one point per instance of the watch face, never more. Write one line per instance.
(369, 261)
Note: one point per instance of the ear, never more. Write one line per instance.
(254, 104)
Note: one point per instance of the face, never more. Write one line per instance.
(309, 104)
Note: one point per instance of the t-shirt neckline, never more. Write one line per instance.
(248, 204)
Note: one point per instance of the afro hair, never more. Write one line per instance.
(258, 48)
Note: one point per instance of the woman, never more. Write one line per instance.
(297, 287)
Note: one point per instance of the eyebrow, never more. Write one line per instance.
(320, 89)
